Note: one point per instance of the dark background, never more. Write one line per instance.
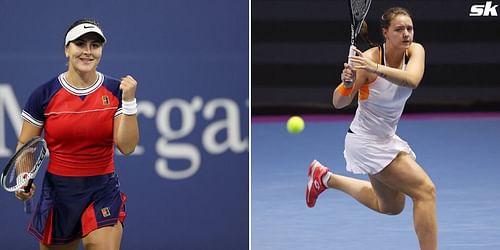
(298, 48)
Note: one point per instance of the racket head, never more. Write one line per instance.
(358, 10)
(23, 166)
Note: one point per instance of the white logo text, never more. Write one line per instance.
(487, 9)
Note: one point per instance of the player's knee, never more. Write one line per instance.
(101, 239)
(92, 244)
(426, 192)
(431, 192)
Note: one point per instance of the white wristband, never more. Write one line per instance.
(129, 107)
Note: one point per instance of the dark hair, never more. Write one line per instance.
(389, 15)
(364, 35)
(385, 22)
(80, 21)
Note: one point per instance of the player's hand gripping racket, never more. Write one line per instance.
(22, 168)
(358, 10)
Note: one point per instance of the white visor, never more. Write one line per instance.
(81, 30)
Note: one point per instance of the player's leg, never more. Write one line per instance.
(70, 246)
(405, 175)
(104, 238)
(373, 194)
(390, 201)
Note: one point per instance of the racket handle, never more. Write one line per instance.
(28, 186)
(349, 82)
(27, 203)
(27, 206)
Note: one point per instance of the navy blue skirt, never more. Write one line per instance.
(71, 207)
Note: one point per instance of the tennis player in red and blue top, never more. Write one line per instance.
(83, 114)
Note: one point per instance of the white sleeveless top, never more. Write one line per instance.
(380, 109)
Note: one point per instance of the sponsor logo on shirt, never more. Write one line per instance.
(105, 100)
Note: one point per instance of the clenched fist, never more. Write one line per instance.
(128, 87)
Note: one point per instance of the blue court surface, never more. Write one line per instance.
(460, 152)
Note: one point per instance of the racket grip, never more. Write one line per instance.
(27, 206)
(27, 203)
(28, 186)
(349, 82)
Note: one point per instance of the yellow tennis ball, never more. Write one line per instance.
(295, 124)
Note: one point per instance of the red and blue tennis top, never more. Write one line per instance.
(78, 124)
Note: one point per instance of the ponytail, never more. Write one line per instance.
(364, 35)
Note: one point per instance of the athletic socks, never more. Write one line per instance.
(325, 178)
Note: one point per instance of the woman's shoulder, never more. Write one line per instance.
(52, 85)
(416, 45)
(371, 50)
(109, 78)
(416, 49)
(373, 53)
(111, 82)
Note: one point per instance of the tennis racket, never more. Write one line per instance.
(358, 10)
(22, 168)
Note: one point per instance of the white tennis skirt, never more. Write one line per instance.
(370, 155)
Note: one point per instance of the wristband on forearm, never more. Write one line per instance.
(343, 90)
(129, 107)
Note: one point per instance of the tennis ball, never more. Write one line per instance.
(295, 124)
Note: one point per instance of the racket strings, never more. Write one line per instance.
(360, 8)
(26, 160)
(24, 164)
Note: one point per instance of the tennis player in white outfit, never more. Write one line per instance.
(384, 79)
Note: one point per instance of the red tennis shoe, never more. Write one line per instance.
(315, 184)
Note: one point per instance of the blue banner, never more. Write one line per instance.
(187, 182)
